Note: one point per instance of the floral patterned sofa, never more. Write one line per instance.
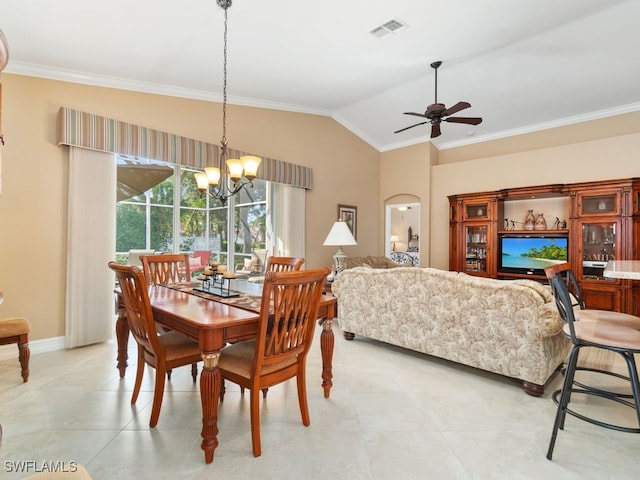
(509, 327)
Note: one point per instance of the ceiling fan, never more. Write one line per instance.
(436, 112)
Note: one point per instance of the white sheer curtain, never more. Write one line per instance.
(286, 220)
(91, 226)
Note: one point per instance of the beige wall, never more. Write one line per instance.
(33, 205)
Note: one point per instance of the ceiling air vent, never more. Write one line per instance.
(392, 26)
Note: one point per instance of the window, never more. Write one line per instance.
(169, 219)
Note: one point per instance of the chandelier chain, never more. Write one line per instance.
(225, 4)
(242, 171)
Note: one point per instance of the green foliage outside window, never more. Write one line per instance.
(131, 227)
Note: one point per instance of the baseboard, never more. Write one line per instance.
(35, 346)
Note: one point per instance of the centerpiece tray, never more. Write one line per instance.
(218, 291)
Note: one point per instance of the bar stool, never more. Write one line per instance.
(590, 315)
(617, 337)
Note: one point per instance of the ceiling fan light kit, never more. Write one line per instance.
(438, 112)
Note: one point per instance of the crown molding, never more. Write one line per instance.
(563, 122)
(106, 81)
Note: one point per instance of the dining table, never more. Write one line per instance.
(625, 269)
(214, 321)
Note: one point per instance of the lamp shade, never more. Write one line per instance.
(394, 238)
(340, 235)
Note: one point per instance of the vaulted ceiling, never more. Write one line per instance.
(522, 65)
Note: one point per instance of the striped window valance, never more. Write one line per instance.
(94, 132)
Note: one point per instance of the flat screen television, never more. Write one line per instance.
(530, 254)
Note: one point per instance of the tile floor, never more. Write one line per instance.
(392, 414)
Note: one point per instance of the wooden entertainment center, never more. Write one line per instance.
(589, 223)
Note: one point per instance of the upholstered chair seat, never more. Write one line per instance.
(16, 330)
(612, 318)
(77, 472)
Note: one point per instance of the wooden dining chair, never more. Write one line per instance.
(288, 313)
(284, 264)
(280, 264)
(166, 268)
(162, 351)
(16, 330)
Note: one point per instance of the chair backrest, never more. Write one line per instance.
(559, 280)
(284, 264)
(563, 270)
(288, 314)
(166, 268)
(133, 286)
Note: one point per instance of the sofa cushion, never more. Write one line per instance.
(543, 290)
(380, 262)
(372, 261)
(353, 262)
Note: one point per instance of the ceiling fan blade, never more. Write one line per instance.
(407, 128)
(469, 120)
(415, 114)
(456, 108)
(435, 130)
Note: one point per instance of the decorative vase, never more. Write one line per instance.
(529, 221)
(541, 223)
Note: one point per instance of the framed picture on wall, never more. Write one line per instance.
(349, 215)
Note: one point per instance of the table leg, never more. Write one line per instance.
(122, 337)
(326, 346)
(210, 381)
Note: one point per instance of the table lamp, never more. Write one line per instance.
(394, 239)
(339, 235)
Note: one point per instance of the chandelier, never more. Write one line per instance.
(240, 171)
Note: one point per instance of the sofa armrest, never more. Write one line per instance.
(550, 321)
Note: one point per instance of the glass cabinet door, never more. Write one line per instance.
(598, 247)
(476, 211)
(605, 203)
(476, 248)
